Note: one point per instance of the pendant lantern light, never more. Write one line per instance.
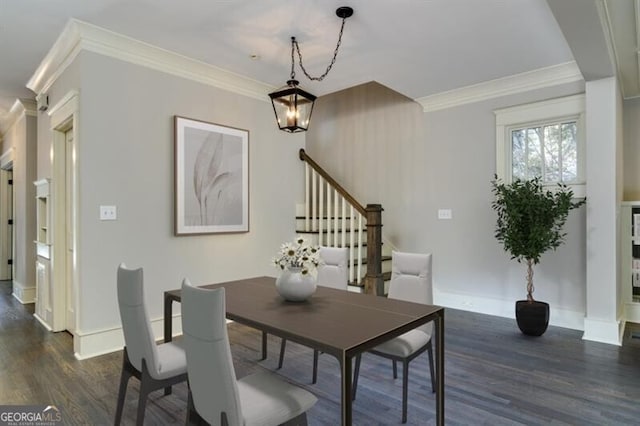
(292, 104)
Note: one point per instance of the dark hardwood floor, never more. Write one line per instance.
(494, 376)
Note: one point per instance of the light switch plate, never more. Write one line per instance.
(445, 214)
(108, 213)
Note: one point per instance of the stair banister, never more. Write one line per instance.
(304, 157)
(373, 282)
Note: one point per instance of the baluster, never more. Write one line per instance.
(314, 191)
(352, 227)
(359, 248)
(307, 205)
(344, 222)
(352, 221)
(335, 217)
(328, 215)
(321, 211)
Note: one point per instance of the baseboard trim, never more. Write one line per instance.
(102, 342)
(23, 294)
(603, 331)
(632, 312)
(41, 321)
(503, 308)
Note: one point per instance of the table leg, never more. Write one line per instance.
(264, 346)
(439, 334)
(168, 327)
(345, 365)
(168, 318)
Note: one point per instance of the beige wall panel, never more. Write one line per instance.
(125, 158)
(381, 146)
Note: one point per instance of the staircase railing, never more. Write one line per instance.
(326, 198)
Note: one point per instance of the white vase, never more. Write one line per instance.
(293, 286)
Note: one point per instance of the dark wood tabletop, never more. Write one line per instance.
(337, 322)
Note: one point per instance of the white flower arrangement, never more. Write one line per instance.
(298, 254)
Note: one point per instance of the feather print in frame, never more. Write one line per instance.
(211, 178)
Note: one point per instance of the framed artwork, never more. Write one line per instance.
(211, 178)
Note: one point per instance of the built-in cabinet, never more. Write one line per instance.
(43, 309)
(630, 258)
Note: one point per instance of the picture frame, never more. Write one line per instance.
(211, 176)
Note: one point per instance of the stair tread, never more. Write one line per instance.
(386, 276)
(323, 217)
(324, 231)
(382, 259)
(348, 245)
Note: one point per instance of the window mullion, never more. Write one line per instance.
(526, 153)
(560, 154)
(543, 157)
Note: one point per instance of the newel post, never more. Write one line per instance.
(373, 283)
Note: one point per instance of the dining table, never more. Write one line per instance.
(337, 322)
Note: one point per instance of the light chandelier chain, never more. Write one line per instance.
(333, 61)
(293, 71)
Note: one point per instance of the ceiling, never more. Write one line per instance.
(416, 47)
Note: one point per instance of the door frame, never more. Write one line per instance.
(64, 117)
(8, 250)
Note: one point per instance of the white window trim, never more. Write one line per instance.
(507, 119)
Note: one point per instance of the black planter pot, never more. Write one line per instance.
(532, 317)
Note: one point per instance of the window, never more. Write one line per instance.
(544, 139)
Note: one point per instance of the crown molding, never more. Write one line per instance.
(28, 106)
(19, 108)
(61, 54)
(537, 79)
(78, 36)
(607, 29)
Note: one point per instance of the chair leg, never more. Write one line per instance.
(405, 389)
(190, 408)
(356, 373)
(193, 417)
(433, 376)
(145, 389)
(147, 385)
(124, 381)
(315, 366)
(264, 346)
(300, 420)
(395, 369)
(283, 345)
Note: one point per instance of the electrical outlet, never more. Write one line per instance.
(445, 214)
(108, 213)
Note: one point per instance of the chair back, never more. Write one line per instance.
(332, 271)
(138, 334)
(411, 280)
(212, 379)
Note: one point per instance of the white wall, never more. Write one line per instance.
(472, 266)
(125, 157)
(603, 201)
(22, 136)
(445, 159)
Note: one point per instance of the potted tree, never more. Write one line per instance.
(530, 222)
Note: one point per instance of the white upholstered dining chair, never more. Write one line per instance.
(332, 272)
(411, 281)
(215, 395)
(156, 366)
